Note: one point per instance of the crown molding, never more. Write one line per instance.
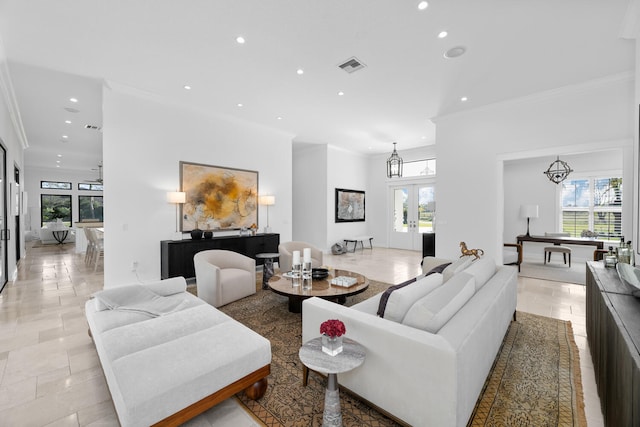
(627, 76)
(9, 95)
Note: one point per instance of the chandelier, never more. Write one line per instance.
(558, 171)
(394, 164)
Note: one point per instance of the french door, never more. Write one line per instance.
(413, 208)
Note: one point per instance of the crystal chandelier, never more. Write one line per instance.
(394, 164)
(558, 171)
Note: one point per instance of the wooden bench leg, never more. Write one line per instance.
(305, 375)
(256, 390)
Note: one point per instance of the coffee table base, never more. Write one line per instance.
(295, 301)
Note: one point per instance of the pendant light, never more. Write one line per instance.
(394, 164)
(558, 171)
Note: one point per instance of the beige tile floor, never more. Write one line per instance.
(50, 374)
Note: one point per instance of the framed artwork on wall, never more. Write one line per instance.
(218, 198)
(350, 205)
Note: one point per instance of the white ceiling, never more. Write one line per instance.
(67, 48)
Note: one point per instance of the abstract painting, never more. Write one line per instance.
(218, 198)
(349, 205)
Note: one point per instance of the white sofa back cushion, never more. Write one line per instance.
(456, 267)
(482, 269)
(402, 299)
(434, 310)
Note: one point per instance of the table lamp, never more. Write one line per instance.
(178, 198)
(528, 211)
(267, 201)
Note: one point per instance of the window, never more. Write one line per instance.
(91, 187)
(55, 185)
(592, 204)
(54, 207)
(90, 208)
(425, 167)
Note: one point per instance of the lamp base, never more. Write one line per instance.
(528, 235)
(267, 230)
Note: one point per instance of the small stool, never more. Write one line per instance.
(564, 250)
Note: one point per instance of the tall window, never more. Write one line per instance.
(592, 204)
(90, 208)
(54, 207)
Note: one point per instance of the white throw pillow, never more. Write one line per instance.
(482, 269)
(402, 299)
(456, 267)
(432, 312)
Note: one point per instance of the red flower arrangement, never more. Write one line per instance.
(333, 328)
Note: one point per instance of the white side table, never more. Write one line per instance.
(314, 358)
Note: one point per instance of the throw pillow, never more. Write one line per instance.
(482, 269)
(438, 269)
(433, 311)
(456, 267)
(400, 300)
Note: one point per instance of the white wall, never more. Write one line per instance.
(32, 187)
(309, 194)
(144, 140)
(527, 174)
(472, 146)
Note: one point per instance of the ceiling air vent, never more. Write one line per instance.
(352, 64)
(93, 127)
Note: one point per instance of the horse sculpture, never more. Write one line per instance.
(477, 253)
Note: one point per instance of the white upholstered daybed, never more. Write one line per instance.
(168, 356)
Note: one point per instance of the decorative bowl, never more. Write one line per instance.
(631, 276)
(319, 273)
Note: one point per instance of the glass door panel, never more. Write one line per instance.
(412, 213)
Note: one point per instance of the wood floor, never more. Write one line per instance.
(50, 374)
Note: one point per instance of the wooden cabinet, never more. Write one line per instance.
(177, 255)
(613, 333)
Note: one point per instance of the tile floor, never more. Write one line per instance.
(50, 374)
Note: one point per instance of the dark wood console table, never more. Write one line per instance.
(613, 333)
(176, 256)
(561, 240)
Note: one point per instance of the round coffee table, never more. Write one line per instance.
(312, 356)
(321, 288)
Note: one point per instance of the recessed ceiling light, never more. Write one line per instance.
(424, 137)
(57, 161)
(73, 99)
(464, 99)
(300, 71)
(65, 136)
(68, 122)
(239, 105)
(187, 87)
(59, 155)
(423, 5)
(279, 118)
(57, 166)
(240, 39)
(340, 93)
(455, 52)
(442, 34)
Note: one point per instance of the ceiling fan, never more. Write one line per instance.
(99, 179)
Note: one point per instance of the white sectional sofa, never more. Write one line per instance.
(430, 373)
(168, 356)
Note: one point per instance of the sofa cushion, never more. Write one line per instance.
(382, 304)
(456, 267)
(400, 300)
(482, 269)
(434, 310)
(438, 269)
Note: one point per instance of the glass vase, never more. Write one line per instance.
(331, 345)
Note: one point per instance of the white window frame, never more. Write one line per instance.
(591, 209)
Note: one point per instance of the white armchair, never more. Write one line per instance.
(224, 276)
(286, 254)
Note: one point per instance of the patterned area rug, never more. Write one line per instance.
(535, 380)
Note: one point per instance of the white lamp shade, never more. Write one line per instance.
(529, 211)
(268, 200)
(176, 197)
